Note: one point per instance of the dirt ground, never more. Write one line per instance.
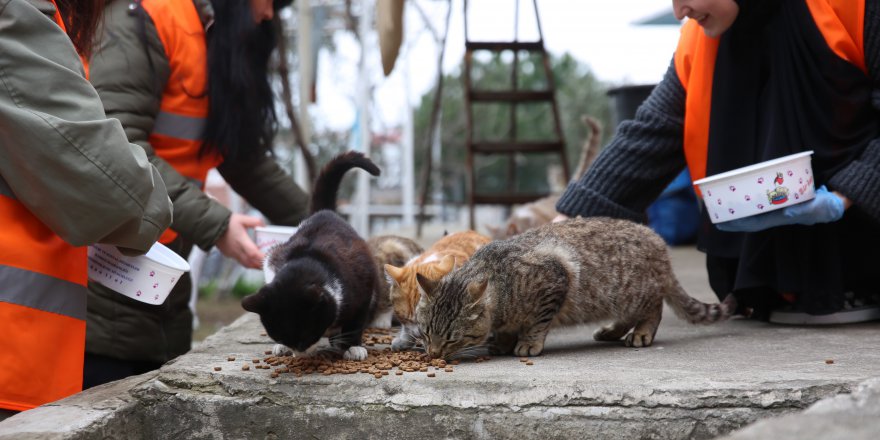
(214, 313)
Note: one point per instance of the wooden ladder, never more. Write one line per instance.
(511, 145)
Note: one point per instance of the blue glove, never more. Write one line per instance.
(824, 208)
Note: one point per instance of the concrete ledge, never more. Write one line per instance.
(695, 382)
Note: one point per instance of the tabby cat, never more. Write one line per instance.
(543, 211)
(325, 281)
(571, 272)
(396, 251)
(449, 252)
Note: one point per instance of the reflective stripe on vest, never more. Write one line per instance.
(841, 23)
(180, 125)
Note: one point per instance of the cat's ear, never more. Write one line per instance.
(512, 230)
(446, 264)
(254, 303)
(428, 285)
(476, 290)
(394, 272)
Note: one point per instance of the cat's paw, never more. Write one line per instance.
(639, 339)
(355, 353)
(528, 348)
(401, 344)
(281, 350)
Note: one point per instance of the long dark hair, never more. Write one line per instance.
(81, 18)
(241, 116)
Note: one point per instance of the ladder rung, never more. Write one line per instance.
(491, 147)
(498, 46)
(506, 198)
(507, 96)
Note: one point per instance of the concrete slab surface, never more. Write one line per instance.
(693, 383)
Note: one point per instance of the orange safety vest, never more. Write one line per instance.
(178, 132)
(42, 308)
(841, 23)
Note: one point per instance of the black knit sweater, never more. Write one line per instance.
(647, 152)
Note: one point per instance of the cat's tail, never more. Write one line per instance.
(328, 180)
(590, 149)
(695, 311)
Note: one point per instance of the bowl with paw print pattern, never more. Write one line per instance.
(759, 188)
(147, 278)
(268, 237)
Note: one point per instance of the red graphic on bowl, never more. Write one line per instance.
(152, 273)
(730, 210)
(778, 196)
(139, 293)
(732, 188)
(760, 180)
(760, 206)
(778, 179)
(748, 197)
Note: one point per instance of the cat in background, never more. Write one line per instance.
(448, 253)
(572, 272)
(325, 281)
(396, 251)
(543, 211)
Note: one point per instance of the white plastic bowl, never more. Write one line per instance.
(758, 188)
(147, 278)
(269, 236)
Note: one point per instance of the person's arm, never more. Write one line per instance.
(642, 158)
(129, 70)
(268, 188)
(859, 181)
(60, 156)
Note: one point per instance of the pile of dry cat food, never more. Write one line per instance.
(379, 362)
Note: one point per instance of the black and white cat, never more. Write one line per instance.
(325, 279)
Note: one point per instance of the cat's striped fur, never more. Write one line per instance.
(445, 255)
(572, 272)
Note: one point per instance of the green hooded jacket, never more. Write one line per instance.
(60, 156)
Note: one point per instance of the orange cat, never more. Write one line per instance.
(448, 253)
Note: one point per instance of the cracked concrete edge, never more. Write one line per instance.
(109, 407)
(854, 416)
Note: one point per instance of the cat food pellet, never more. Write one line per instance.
(262, 334)
(274, 375)
(245, 367)
(523, 359)
(217, 368)
(829, 361)
(267, 352)
(530, 363)
(379, 362)
(230, 358)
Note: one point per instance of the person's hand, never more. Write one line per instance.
(559, 218)
(826, 207)
(235, 242)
